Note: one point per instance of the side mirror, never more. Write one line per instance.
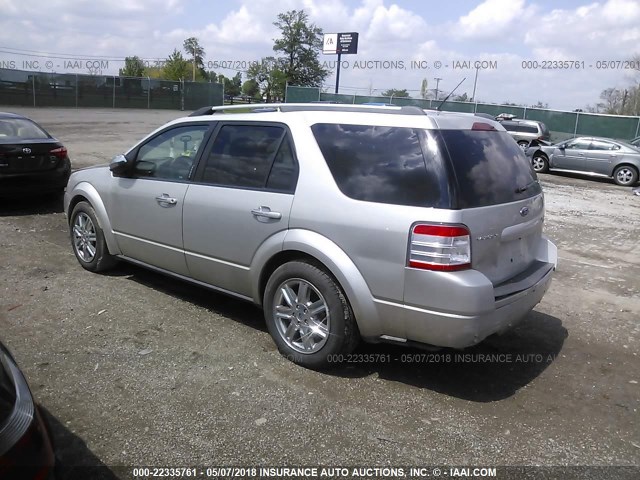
(118, 164)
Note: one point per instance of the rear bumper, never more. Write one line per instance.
(460, 331)
(18, 184)
(460, 309)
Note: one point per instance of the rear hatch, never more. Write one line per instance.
(500, 200)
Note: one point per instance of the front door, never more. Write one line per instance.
(146, 205)
(573, 156)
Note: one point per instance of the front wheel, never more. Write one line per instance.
(87, 239)
(308, 315)
(625, 175)
(540, 163)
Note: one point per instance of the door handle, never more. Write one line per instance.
(166, 199)
(266, 212)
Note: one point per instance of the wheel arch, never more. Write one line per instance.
(625, 164)
(86, 192)
(325, 254)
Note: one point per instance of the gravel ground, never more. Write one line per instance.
(137, 369)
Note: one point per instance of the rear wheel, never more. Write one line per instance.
(308, 315)
(625, 175)
(87, 239)
(540, 163)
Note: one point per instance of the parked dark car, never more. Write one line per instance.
(26, 451)
(591, 155)
(31, 160)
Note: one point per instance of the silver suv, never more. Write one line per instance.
(390, 224)
(524, 131)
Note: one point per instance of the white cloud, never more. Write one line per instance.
(493, 19)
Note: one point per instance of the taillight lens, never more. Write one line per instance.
(60, 152)
(440, 247)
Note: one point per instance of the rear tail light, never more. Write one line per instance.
(60, 152)
(440, 247)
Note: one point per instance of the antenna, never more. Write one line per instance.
(447, 97)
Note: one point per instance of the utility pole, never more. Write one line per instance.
(437, 79)
(475, 82)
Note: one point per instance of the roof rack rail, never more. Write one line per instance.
(311, 107)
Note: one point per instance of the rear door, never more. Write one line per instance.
(242, 196)
(500, 201)
(601, 157)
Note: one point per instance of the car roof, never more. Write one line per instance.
(10, 115)
(402, 116)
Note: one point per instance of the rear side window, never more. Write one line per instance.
(393, 165)
(519, 127)
(251, 156)
(489, 168)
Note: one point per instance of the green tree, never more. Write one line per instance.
(300, 44)
(461, 98)
(271, 77)
(133, 67)
(250, 88)
(192, 47)
(393, 92)
(175, 67)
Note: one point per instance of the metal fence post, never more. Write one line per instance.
(524, 115)
(575, 130)
(475, 107)
(33, 87)
(182, 94)
(638, 127)
(148, 92)
(76, 90)
(114, 92)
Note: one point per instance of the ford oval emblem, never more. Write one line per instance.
(524, 211)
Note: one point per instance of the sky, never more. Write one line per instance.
(401, 42)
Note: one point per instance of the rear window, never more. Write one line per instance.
(489, 168)
(519, 127)
(20, 129)
(394, 165)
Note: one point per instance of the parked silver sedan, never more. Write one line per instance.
(591, 155)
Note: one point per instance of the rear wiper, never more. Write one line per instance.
(526, 187)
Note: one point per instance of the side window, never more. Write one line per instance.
(284, 173)
(601, 145)
(384, 164)
(579, 144)
(242, 155)
(171, 154)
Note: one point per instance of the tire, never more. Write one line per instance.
(540, 163)
(317, 339)
(625, 175)
(87, 239)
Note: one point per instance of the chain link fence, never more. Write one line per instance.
(562, 125)
(36, 89)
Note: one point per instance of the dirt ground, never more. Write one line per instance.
(137, 369)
